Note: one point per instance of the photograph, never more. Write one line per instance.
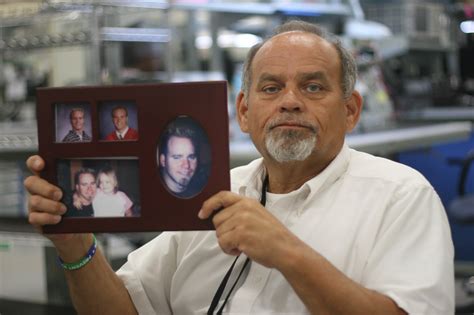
(152, 159)
(100, 187)
(184, 158)
(73, 123)
(118, 121)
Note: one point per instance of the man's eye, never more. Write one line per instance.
(176, 157)
(192, 157)
(271, 89)
(313, 88)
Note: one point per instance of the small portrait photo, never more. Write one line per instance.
(118, 121)
(73, 122)
(100, 187)
(184, 157)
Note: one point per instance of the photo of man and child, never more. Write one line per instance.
(100, 188)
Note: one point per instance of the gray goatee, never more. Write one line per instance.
(290, 145)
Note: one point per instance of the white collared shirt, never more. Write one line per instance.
(121, 135)
(379, 222)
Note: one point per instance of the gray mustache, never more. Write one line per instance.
(291, 120)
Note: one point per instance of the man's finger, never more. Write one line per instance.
(39, 186)
(39, 219)
(35, 164)
(220, 200)
(229, 244)
(40, 204)
(223, 216)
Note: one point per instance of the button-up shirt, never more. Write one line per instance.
(379, 222)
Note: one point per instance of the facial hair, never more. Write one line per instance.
(290, 145)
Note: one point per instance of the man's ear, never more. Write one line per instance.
(162, 160)
(353, 110)
(242, 111)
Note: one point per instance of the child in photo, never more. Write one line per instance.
(109, 201)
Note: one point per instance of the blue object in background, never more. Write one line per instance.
(433, 164)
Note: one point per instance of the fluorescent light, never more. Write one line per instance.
(467, 27)
(228, 41)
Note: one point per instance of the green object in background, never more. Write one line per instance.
(5, 247)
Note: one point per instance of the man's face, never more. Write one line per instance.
(86, 188)
(120, 119)
(295, 99)
(77, 121)
(179, 164)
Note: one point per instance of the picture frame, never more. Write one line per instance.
(152, 179)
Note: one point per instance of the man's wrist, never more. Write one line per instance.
(75, 248)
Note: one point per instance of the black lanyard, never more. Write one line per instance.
(220, 290)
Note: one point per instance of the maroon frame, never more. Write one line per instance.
(157, 105)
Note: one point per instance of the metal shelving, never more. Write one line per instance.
(18, 137)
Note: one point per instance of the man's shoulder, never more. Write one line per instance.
(364, 165)
(131, 133)
(111, 136)
(70, 137)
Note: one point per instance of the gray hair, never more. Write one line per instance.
(348, 64)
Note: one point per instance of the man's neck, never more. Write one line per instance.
(289, 176)
(79, 132)
(173, 186)
(123, 130)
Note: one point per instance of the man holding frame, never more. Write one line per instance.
(336, 231)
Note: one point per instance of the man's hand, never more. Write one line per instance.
(244, 225)
(44, 207)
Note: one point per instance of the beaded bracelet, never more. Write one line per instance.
(84, 261)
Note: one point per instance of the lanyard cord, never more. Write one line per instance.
(220, 290)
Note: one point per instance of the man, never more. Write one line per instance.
(85, 190)
(178, 160)
(122, 130)
(77, 133)
(342, 232)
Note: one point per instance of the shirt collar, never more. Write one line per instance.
(251, 185)
(331, 173)
(123, 133)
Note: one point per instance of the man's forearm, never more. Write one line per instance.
(326, 290)
(95, 288)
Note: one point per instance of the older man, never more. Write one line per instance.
(336, 231)
(77, 133)
(122, 130)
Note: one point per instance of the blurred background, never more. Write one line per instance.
(416, 65)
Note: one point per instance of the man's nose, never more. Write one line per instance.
(186, 164)
(290, 101)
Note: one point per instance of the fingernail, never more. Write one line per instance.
(57, 195)
(37, 163)
(63, 209)
(201, 214)
(58, 218)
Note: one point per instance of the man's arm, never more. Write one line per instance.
(94, 288)
(243, 225)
